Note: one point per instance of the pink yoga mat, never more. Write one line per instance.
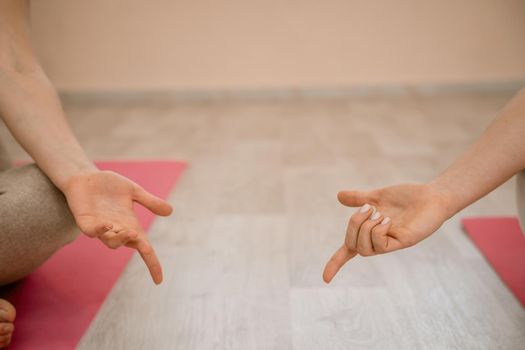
(56, 303)
(503, 245)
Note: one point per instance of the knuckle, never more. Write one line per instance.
(112, 245)
(377, 229)
(365, 252)
(380, 248)
(366, 226)
(349, 243)
(355, 220)
(378, 240)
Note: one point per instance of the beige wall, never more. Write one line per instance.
(232, 44)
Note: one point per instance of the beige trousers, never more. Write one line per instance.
(35, 220)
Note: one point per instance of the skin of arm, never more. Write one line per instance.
(496, 156)
(400, 216)
(29, 104)
(101, 201)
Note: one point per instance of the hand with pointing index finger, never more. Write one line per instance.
(102, 205)
(388, 219)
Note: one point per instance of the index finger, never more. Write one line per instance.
(147, 253)
(341, 256)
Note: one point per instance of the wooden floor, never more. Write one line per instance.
(256, 218)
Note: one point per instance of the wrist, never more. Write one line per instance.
(72, 171)
(445, 198)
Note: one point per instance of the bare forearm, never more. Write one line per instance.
(32, 112)
(494, 158)
(29, 104)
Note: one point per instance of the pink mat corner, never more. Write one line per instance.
(502, 243)
(56, 303)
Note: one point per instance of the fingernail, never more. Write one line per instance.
(375, 216)
(364, 208)
(385, 221)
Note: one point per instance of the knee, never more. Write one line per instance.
(37, 206)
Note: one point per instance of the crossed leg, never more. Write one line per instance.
(35, 222)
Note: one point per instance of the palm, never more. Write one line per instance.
(414, 210)
(102, 204)
(103, 198)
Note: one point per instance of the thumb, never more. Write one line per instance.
(153, 203)
(356, 198)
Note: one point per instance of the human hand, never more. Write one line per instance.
(102, 205)
(388, 219)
